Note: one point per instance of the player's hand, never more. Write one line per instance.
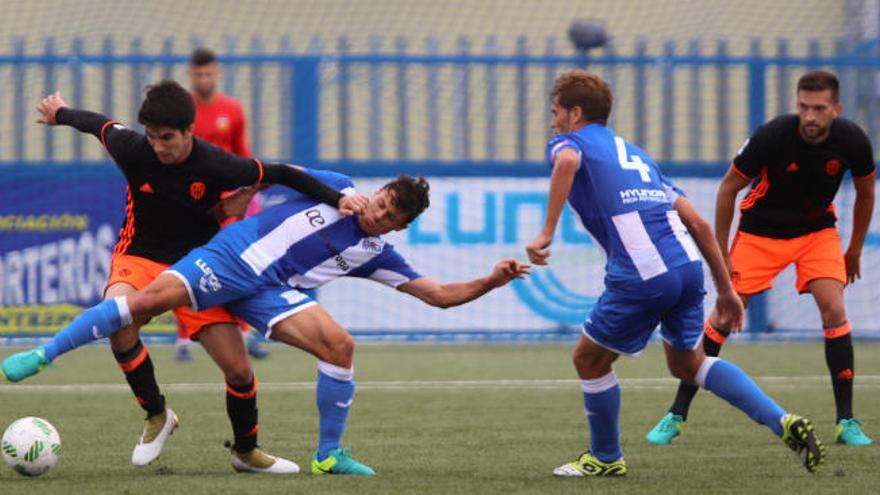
(48, 107)
(507, 270)
(233, 204)
(729, 312)
(853, 263)
(353, 204)
(539, 249)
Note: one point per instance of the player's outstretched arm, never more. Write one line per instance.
(564, 169)
(729, 310)
(457, 293)
(296, 178)
(863, 209)
(54, 111)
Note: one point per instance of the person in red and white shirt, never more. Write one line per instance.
(219, 120)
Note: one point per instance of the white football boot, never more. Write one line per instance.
(156, 432)
(257, 461)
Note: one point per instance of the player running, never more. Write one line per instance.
(258, 268)
(174, 186)
(788, 217)
(653, 275)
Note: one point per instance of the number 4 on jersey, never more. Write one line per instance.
(635, 163)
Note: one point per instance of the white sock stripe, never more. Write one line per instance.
(599, 385)
(124, 312)
(337, 372)
(704, 370)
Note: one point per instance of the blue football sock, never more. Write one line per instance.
(730, 383)
(602, 403)
(334, 396)
(92, 324)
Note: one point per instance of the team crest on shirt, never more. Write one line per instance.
(197, 190)
(223, 123)
(372, 244)
(832, 167)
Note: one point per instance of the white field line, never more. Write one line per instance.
(774, 382)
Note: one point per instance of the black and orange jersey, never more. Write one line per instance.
(794, 181)
(169, 207)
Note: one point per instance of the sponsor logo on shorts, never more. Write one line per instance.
(124, 272)
(208, 281)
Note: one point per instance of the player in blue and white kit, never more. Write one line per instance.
(654, 275)
(258, 268)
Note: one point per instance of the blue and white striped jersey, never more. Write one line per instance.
(626, 204)
(305, 244)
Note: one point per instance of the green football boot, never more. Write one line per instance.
(588, 465)
(668, 428)
(797, 433)
(21, 365)
(849, 432)
(340, 461)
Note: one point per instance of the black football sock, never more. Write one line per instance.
(841, 364)
(138, 369)
(241, 406)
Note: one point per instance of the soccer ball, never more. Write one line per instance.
(31, 446)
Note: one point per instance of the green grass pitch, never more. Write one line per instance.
(446, 419)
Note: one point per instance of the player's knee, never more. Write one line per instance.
(239, 373)
(833, 314)
(686, 371)
(340, 351)
(142, 305)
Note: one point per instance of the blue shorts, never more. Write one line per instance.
(215, 278)
(269, 306)
(625, 317)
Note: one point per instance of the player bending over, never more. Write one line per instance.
(258, 268)
(175, 182)
(653, 275)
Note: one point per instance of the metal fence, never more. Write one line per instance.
(687, 105)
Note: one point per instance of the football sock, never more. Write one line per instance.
(92, 324)
(334, 395)
(712, 342)
(241, 406)
(602, 404)
(730, 383)
(138, 369)
(841, 364)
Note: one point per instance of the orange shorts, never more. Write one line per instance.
(139, 272)
(758, 260)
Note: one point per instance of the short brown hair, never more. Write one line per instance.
(167, 104)
(580, 88)
(820, 80)
(201, 57)
(409, 194)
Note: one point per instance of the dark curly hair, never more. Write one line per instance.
(410, 195)
(167, 105)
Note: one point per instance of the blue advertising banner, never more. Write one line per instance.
(58, 228)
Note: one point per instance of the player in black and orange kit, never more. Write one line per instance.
(796, 163)
(220, 121)
(174, 185)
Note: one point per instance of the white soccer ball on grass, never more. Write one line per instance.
(31, 446)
